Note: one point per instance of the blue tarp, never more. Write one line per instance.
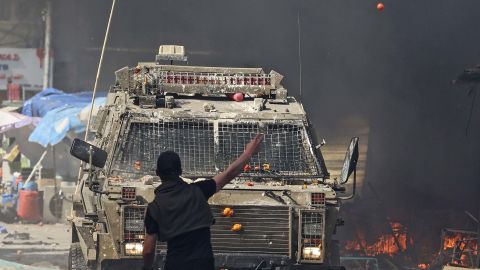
(51, 98)
(60, 112)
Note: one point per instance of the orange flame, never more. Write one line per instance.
(388, 244)
(423, 266)
(449, 241)
(462, 246)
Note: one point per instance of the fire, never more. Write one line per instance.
(388, 244)
(461, 246)
(449, 241)
(423, 266)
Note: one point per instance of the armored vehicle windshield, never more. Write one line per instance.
(207, 145)
(189, 110)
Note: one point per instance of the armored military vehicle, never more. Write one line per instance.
(280, 213)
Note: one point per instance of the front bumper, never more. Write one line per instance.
(224, 262)
(232, 261)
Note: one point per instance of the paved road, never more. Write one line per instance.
(46, 246)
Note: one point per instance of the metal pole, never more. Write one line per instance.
(55, 187)
(299, 52)
(105, 40)
(37, 165)
(54, 162)
(50, 78)
(48, 33)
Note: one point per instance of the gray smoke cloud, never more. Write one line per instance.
(393, 67)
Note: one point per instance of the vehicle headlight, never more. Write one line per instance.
(133, 248)
(312, 253)
(312, 229)
(133, 225)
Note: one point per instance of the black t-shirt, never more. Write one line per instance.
(191, 245)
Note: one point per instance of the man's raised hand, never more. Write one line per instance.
(254, 145)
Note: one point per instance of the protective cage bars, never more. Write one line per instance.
(311, 235)
(267, 231)
(206, 147)
(171, 77)
(165, 81)
(133, 230)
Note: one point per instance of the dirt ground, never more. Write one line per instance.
(44, 245)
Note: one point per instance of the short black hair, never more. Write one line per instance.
(169, 164)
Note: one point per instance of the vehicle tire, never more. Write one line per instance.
(75, 258)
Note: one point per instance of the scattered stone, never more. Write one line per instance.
(18, 236)
(208, 107)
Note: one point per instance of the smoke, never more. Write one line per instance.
(393, 67)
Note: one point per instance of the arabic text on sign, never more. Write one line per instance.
(9, 57)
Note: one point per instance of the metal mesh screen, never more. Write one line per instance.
(312, 224)
(205, 149)
(133, 227)
(192, 140)
(283, 150)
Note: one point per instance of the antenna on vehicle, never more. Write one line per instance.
(299, 52)
(99, 68)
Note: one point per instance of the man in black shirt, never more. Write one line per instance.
(180, 213)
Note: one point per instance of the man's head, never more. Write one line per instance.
(169, 165)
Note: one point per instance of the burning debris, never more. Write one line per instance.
(397, 242)
(423, 266)
(394, 249)
(400, 249)
(459, 248)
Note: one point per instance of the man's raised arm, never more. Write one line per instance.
(237, 166)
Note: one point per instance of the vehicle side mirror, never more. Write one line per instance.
(350, 162)
(87, 152)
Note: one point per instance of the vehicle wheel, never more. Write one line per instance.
(75, 258)
(55, 206)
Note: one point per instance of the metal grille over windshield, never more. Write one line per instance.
(192, 140)
(283, 152)
(206, 148)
